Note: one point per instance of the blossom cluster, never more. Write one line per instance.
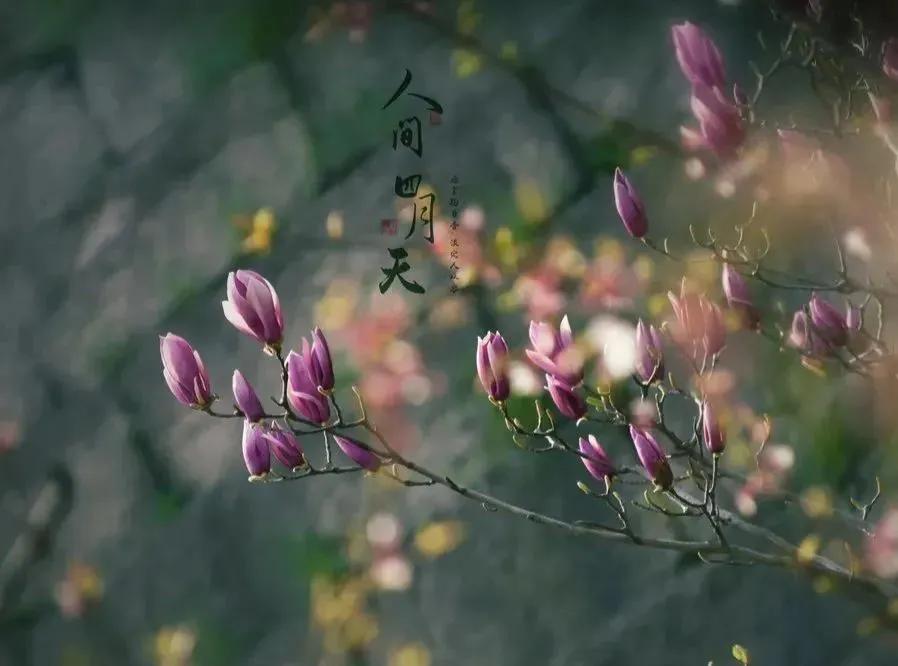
(253, 308)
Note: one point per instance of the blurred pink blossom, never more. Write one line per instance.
(881, 554)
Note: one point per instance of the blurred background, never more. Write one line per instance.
(148, 149)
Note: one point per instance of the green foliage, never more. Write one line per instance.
(233, 37)
(53, 23)
(217, 646)
(168, 505)
(313, 554)
(609, 149)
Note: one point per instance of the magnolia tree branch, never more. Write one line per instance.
(682, 477)
(718, 549)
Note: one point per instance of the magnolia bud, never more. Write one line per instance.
(303, 395)
(245, 398)
(652, 457)
(712, 434)
(253, 307)
(649, 360)
(566, 398)
(698, 56)
(594, 458)
(256, 453)
(629, 206)
(492, 366)
(184, 372)
(358, 453)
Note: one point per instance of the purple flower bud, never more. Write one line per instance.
(649, 359)
(698, 56)
(565, 398)
(595, 459)
(629, 206)
(303, 395)
(256, 454)
(734, 286)
(284, 446)
(253, 308)
(245, 398)
(714, 437)
(357, 453)
(802, 336)
(738, 296)
(719, 120)
(317, 358)
(184, 372)
(555, 353)
(492, 365)
(828, 321)
(652, 457)
(890, 59)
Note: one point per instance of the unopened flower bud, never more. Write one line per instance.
(184, 372)
(738, 296)
(284, 446)
(358, 453)
(828, 321)
(712, 434)
(492, 366)
(566, 398)
(246, 399)
(317, 358)
(629, 206)
(652, 457)
(303, 395)
(649, 360)
(594, 458)
(698, 56)
(256, 453)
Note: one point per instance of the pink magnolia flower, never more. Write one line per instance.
(629, 206)
(358, 453)
(566, 398)
(738, 296)
(652, 457)
(303, 395)
(256, 453)
(719, 121)
(713, 435)
(284, 445)
(698, 326)
(649, 359)
(245, 398)
(594, 458)
(253, 308)
(881, 552)
(698, 56)
(184, 372)
(554, 352)
(492, 365)
(540, 291)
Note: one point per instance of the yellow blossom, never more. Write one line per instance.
(413, 654)
(438, 538)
